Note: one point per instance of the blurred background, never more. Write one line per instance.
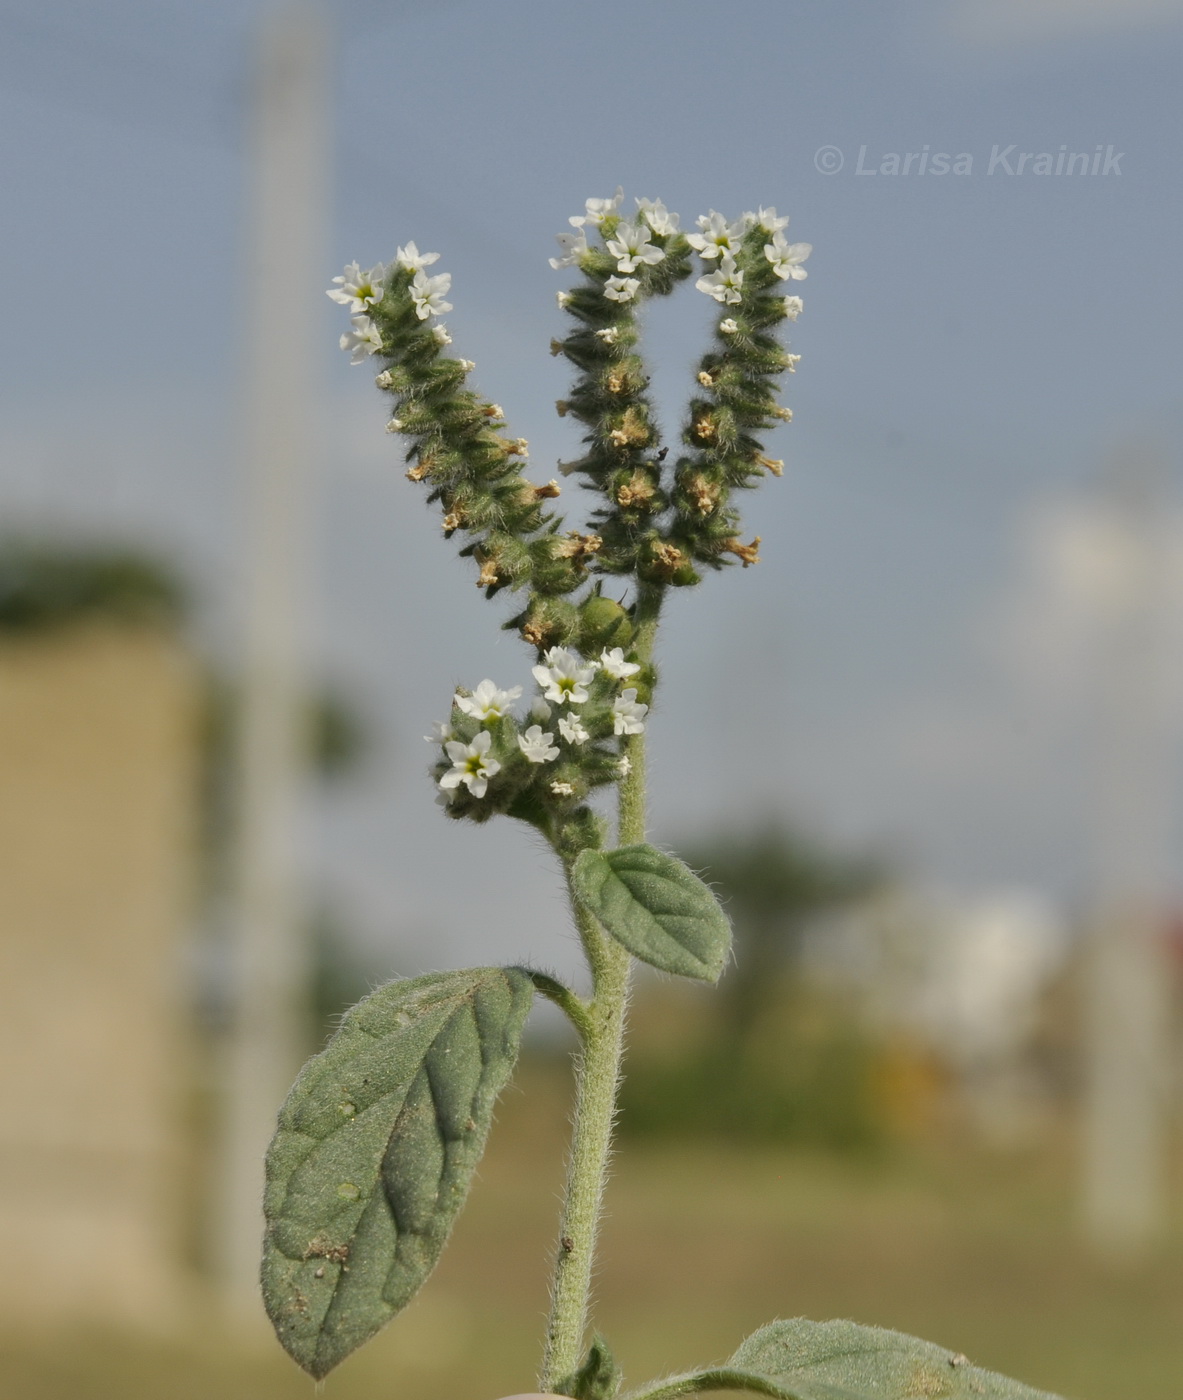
(928, 751)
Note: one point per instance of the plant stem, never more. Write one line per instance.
(591, 1141)
(598, 1074)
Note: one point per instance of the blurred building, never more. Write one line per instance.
(98, 771)
(957, 983)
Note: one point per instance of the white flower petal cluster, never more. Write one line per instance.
(413, 260)
(718, 237)
(728, 326)
(724, 284)
(767, 220)
(565, 676)
(597, 210)
(572, 730)
(574, 246)
(359, 290)
(441, 732)
(786, 258)
(486, 701)
(632, 245)
(441, 334)
(364, 339)
(537, 746)
(627, 714)
(471, 765)
(428, 294)
(658, 217)
(613, 664)
(793, 307)
(621, 288)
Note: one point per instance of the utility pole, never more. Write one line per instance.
(1128, 1000)
(270, 960)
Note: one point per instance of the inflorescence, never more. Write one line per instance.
(655, 522)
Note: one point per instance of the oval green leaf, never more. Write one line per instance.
(375, 1150)
(657, 908)
(803, 1360)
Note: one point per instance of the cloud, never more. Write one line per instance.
(1013, 22)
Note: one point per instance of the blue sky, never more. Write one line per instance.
(975, 348)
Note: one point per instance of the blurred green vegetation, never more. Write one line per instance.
(764, 1057)
(703, 1242)
(46, 585)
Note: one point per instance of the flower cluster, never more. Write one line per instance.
(658, 529)
(655, 522)
(624, 261)
(459, 450)
(542, 770)
(745, 261)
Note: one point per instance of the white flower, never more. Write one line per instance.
(562, 298)
(793, 307)
(728, 326)
(537, 746)
(768, 221)
(413, 260)
(717, 237)
(632, 245)
(486, 701)
(441, 334)
(565, 677)
(625, 764)
(573, 731)
(562, 789)
(428, 294)
(627, 714)
(471, 764)
(385, 380)
(394, 425)
(621, 288)
(724, 285)
(441, 732)
(658, 217)
(574, 245)
(616, 666)
(364, 339)
(609, 335)
(359, 290)
(597, 210)
(787, 257)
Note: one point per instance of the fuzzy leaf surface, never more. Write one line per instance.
(657, 908)
(598, 1377)
(375, 1150)
(803, 1360)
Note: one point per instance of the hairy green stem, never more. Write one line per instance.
(591, 1141)
(598, 1075)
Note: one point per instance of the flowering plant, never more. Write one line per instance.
(379, 1138)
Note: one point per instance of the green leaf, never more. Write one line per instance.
(375, 1151)
(598, 1378)
(657, 908)
(802, 1360)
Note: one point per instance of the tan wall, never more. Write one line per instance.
(97, 806)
